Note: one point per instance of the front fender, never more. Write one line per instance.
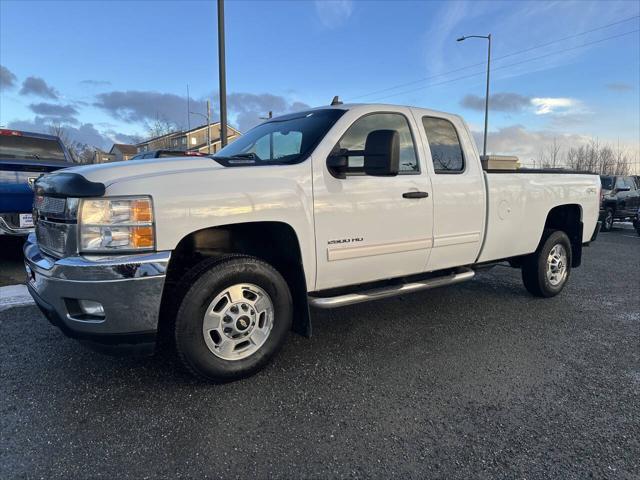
(185, 202)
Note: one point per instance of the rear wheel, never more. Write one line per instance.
(546, 271)
(607, 223)
(233, 319)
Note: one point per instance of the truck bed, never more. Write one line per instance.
(518, 204)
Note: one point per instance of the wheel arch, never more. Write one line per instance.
(567, 218)
(273, 242)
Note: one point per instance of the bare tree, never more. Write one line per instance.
(162, 127)
(57, 129)
(597, 158)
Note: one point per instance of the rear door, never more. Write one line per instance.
(458, 190)
(367, 227)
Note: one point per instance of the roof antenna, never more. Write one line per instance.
(336, 100)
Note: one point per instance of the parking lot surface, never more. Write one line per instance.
(479, 380)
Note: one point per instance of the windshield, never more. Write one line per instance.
(607, 182)
(286, 139)
(17, 146)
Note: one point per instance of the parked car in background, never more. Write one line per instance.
(223, 255)
(166, 153)
(620, 199)
(24, 156)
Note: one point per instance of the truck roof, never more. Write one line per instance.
(369, 107)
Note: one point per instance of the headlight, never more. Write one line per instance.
(112, 224)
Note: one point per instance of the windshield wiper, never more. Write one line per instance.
(250, 155)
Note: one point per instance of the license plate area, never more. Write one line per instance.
(25, 220)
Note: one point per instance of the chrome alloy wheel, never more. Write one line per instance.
(557, 265)
(238, 321)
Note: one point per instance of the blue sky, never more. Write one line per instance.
(106, 69)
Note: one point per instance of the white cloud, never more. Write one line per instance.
(526, 144)
(549, 105)
(333, 13)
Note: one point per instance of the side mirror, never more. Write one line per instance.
(382, 153)
(338, 164)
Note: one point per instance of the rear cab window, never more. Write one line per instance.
(26, 147)
(444, 143)
(607, 182)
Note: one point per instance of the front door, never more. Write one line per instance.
(367, 227)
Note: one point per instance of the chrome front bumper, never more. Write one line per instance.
(6, 229)
(129, 288)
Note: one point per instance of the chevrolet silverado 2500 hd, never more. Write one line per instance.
(326, 207)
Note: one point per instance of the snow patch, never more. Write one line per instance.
(14, 296)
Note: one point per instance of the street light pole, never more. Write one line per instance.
(208, 127)
(222, 75)
(486, 98)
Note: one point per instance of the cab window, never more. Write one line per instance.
(444, 143)
(355, 137)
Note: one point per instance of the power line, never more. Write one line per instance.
(509, 65)
(585, 32)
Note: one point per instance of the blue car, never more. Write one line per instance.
(25, 156)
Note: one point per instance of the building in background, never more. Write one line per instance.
(194, 140)
(121, 151)
(100, 156)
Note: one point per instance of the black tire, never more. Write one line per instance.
(607, 222)
(202, 285)
(534, 267)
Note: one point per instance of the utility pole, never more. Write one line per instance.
(486, 99)
(208, 127)
(188, 110)
(222, 75)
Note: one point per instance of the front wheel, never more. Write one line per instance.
(607, 223)
(546, 271)
(233, 319)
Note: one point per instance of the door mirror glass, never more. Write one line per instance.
(382, 153)
(338, 164)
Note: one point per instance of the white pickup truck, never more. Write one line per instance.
(328, 207)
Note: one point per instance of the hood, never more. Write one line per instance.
(109, 173)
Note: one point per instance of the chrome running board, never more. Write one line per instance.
(462, 275)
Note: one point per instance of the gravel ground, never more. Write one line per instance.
(479, 380)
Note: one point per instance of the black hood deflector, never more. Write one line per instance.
(66, 184)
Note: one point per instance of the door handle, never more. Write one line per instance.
(415, 195)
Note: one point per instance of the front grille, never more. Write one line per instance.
(55, 229)
(49, 206)
(52, 237)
